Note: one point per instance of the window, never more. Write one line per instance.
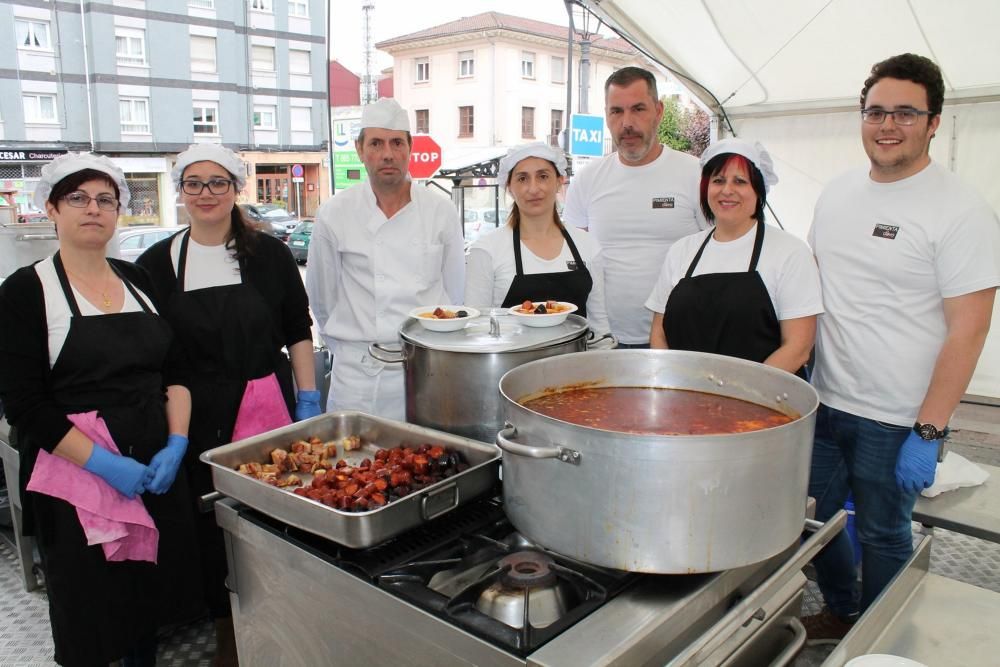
(32, 34)
(130, 46)
(262, 6)
(558, 69)
(423, 69)
(206, 117)
(527, 122)
(39, 108)
(204, 4)
(202, 54)
(298, 8)
(263, 117)
(423, 121)
(527, 65)
(134, 113)
(555, 127)
(299, 61)
(263, 58)
(301, 118)
(466, 122)
(466, 64)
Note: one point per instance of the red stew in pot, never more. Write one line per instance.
(654, 410)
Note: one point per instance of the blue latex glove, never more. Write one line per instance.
(916, 463)
(165, 464)
(307, 404)
(125, 474)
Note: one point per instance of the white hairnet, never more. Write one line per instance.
(68, 164)
(537, 149)
(754, 152)
(216, 153)
(386, 114)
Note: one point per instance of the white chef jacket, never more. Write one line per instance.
(366, 273)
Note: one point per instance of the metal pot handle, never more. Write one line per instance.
(605, 342)
(794, 647)
(385, 355)
(564, 454)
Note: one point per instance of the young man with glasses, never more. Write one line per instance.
(909, 261)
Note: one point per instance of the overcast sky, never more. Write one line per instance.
(400, 17)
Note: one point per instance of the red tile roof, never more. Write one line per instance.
(498, 21)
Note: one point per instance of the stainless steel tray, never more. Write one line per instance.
(354, 529)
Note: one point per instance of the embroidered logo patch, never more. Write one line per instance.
(885, 231)
(663, 202)
(571, 265)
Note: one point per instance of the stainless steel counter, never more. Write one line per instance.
(932, 619)
(971, 511)
(25, 546)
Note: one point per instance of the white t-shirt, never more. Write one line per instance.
(207, 265)
(888, 253)
(57, 312)
(490, 270)
(636, 214)
(786, 267)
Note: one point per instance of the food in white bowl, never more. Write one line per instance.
(542, 313)
(444, 318)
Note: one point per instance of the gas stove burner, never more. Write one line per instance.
(527, 592)
(527, 569)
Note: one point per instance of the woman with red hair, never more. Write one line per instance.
(744, 289)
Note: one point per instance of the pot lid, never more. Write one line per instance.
(511, 336)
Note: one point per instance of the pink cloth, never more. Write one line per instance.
(262, 408)
(121, 525)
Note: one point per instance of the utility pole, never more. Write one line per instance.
(369, 85)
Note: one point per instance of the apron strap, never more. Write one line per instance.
(758, 243)
(182, 262)
(130, 288)
(694, 262)
(66, 287)
(572, 248)
(519, 267)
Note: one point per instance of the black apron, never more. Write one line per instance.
(226, 334)
(723, 313)
(570, 286)
(100, 610)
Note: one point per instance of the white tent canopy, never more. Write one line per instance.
(789, 74)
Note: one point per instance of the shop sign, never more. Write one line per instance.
(30, 155)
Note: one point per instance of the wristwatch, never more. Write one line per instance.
(928, 432)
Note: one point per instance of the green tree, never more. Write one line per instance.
(671, 130)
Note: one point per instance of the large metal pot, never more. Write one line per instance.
(451, 378)
(654, 503)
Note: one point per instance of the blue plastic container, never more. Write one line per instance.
(852, 531)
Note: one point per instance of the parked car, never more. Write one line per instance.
(272, 219)
(133, 241)
(298, 241)
(37, 216)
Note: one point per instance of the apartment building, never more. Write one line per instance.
(486, 82)
(141, 80)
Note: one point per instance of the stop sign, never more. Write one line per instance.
(425, 157)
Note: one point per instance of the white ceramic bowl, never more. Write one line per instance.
(434, 324)
(883, 660)
(546, 320)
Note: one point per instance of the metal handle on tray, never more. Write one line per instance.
(206, 503)
(798, 631)
(600, 344)
(564, 454)
(746, 608)
(426, 499)
(385, 355)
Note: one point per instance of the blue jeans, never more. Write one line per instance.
(852, 454)
(633, 346)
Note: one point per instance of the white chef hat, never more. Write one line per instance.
(216, 153)
(754, 152)
(68, 164)
(386, 114)
(536, 149)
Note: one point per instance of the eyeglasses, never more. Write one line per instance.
(899, 116)
(82, 200)
(217, 186)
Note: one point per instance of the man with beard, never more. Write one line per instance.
(637, 201)
(380, 249)
(909, 262)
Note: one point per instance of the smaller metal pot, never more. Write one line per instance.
(452, 377)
